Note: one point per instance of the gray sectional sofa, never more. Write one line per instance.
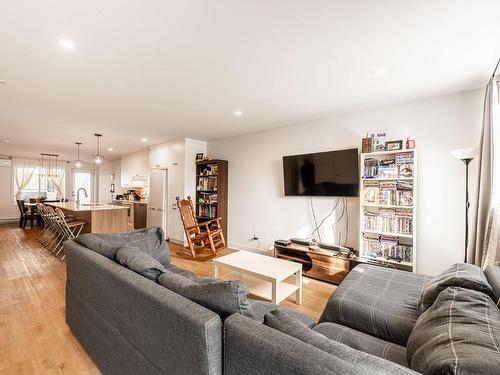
(378, 321)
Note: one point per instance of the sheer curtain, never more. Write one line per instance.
(483, 248)
(23, 172)
(58, 182)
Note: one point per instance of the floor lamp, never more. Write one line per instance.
(466, 155)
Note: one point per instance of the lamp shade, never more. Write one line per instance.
(464, 153)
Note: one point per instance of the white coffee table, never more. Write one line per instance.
(270, 274)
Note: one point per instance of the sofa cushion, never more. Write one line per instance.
(458, 334)
(365, 363)
(492, 274)
(224, 297)
(381, 302)
(137, 261)
(150, 241)
(463, 275)
(181, 271)
(363, 342)
(261, 308)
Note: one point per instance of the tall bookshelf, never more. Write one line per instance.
(211, 191)
(388, 208)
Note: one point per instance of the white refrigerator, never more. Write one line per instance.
(157, 199)
(164, 186)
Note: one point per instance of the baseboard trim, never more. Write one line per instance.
(9, 220)
(239, 246)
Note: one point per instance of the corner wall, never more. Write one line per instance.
(439, 124)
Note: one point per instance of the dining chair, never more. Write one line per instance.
(23, 218)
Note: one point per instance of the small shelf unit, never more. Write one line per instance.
(211, 191)
(388, 208)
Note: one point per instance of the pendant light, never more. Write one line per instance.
(78, 163)
(98, 158)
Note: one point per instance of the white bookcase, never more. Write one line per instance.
(388, 208)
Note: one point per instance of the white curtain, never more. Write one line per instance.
(483, 247)
(58, 181)
(23, 172)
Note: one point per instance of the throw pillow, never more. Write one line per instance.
(181, 271)
(366, 363)
(137, 261)
(150, 241)
(97, 244)
(462, 275)
(492, 274)
(221, 296)
(458, 334)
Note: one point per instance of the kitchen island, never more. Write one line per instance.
(100, 217)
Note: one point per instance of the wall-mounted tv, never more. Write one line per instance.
(332, 173)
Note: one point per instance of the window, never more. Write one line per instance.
(38, 185)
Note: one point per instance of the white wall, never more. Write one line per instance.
(8, 210)
(104, 181)
(192, 147)
(439, 124)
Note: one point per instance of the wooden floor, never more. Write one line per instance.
(34, 337)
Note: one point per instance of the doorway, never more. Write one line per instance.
(83, 179)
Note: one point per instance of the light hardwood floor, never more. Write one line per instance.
(34, 337)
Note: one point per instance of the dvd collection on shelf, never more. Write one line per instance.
(389, 220)
(394, 166)
(388, 247)
(388, 193)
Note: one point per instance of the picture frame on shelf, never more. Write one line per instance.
(199, 156)
(394, 145)
(377, 141)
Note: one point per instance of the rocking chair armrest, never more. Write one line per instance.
(217, 219)
(194, 226)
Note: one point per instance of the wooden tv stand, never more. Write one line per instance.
(321, 264)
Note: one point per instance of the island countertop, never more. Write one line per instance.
(99, 217)
(71, 206)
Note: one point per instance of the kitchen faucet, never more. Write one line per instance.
(78, 196)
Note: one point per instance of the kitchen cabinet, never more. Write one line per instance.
(134, 165)
(167, 155)
(140, 213)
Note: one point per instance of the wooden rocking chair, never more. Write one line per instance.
(200, 233)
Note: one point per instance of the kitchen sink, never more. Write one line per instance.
(92, 204)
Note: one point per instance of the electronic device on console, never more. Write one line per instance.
(282, 242)
(321, 245)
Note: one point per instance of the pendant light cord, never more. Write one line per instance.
(496, 68)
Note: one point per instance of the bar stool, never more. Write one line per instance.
(45, 233)
(69, 229)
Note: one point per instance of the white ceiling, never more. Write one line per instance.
(165, 69)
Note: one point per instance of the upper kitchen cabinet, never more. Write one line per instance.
(135, 170)
(167, 155)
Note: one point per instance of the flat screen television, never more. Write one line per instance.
(332, 173)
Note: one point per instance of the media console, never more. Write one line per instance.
(322, 264)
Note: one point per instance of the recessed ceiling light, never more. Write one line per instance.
(66, 44)
(4, 141)
(238, 113)
(110, 149)
(379, 72)
(144, 139)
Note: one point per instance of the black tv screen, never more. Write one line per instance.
(332, 173)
